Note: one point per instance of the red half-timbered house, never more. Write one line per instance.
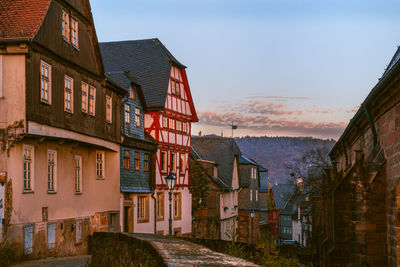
(168, 117)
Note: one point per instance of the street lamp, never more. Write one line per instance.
(252, 224)
(170, 181)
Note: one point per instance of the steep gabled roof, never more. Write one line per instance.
(220, 150)
(245, 160)
(148, 61)
(282, 193)
(21, 19)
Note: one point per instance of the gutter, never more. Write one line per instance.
(14, 40)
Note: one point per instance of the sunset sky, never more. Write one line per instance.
(287, 67)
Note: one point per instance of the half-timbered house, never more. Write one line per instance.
(59, 128)
(168, 117)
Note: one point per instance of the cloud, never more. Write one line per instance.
(266, 108)
(264, 123)
(281, 97)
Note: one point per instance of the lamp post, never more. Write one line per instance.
(170, 181)
(252, 225)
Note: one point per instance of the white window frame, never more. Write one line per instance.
(65, 26)
(44, 64)
(69, 92)
(171, 123)
(164, 122)
(74, 32)
(1, 76)
(51, 171)
(100, 165)
(108, 109)
(141, 216)
(78, 183)
(92, 101)
(31, 169)
(184, 127)
(84, 97)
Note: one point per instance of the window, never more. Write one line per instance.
(177, 89)
(165, 122)
(28, 239)
(84, 92)
(100, 164)
(127, 113)
(126, 159)
(78, 232)
(184, 127)
(92, 100)
(173, 87)
(251, 195)
(177, 206)
(68, 94)
(253, 173)
(51, 235)
(163, 161)
(179, 126)
(182, 163)
(28, 168)
(137, 159)
(171, 124)
(45, 83)
(74, 32)
(173, 162)
(256, 195)
(132, 92)
(160, 206)
(78, 174)
(146, 162)
(51, 170)
(143, 209)
(65, 25)
(137, 117)
(108, 109)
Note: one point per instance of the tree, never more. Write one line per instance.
(310, 168)
(198, 186)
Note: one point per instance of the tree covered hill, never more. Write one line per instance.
(274, 153)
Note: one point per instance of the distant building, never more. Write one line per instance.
(249, 215)
(281, 195)
(59, 129)
(168, 117)
(220, 159)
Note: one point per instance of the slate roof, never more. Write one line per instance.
(21, 18)
(245, 160)
(148, 61)
(220, 150)
(282, 193)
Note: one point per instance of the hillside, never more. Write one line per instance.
(274, 152)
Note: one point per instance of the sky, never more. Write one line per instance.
(271, 67)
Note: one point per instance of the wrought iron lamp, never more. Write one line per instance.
(170, 181)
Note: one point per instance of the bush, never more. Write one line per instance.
(9, 254)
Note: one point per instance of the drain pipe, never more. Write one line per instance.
(371, 124)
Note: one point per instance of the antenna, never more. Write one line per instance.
(234, 127)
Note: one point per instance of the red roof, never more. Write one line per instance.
(21, 18)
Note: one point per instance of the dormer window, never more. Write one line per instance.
(175, 88)
(132, 92)
(215, 171)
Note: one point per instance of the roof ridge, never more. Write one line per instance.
(130, 41)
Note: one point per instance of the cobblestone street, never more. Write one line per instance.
(184, 253)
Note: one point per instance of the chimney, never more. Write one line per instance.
(200, 134)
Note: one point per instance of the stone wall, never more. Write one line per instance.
(116, 249)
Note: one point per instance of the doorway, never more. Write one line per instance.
(128, 219)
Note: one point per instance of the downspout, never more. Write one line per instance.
(345, 153)
(371, 124)
(155, 211)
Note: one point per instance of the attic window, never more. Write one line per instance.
(175, 88)
(74, 32)
(70, 29)
(65, 26)
(132, 92)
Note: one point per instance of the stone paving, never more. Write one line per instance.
(78, 261)
(183, 253)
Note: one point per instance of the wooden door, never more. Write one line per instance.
(128, 219)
